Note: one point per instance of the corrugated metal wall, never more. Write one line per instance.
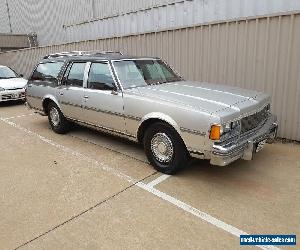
(4, 21)
(122, 17)
(57, 21)
(260, 53)
(14, 41)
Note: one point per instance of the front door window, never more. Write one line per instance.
(100, 77)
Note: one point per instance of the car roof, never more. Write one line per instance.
(93, 57)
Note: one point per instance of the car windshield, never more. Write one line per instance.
(6, 73)
(139, 73)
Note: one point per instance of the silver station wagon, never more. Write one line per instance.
(144, 100)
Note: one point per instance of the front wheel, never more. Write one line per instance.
(58, 122)
(164, 148)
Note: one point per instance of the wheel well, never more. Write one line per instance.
(46, 104)
(143, 127)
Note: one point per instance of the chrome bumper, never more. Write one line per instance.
(223, 154)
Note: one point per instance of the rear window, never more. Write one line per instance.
(47, 72)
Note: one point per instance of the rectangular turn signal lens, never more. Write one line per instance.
(215, 132)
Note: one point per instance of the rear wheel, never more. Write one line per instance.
(58, 122)
(164, 148)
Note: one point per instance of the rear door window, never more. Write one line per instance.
(100, 77)
(75, 74)
(47, 72)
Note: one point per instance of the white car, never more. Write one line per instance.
(12, 85)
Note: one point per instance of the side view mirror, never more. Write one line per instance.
(114, 92)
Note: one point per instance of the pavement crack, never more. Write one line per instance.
(86, 211)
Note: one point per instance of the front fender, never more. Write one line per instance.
(163, 117)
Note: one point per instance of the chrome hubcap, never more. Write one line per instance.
(54, 116)
(162, 147)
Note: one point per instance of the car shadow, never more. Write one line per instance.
(198, 169)
(11, 103)
(194, 169)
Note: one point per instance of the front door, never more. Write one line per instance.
(103, 104)
(70, 93)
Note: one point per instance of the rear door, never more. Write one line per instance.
(103, 101)
(70, 93)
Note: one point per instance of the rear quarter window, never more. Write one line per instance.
(47, 72)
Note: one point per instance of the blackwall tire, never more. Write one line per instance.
(58, 122)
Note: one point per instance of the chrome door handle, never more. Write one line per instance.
(61, 93)
(86, 97)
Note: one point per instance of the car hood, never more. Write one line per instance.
(13, 83)
(208, 97)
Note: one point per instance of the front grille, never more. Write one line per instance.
(14, 89)
(7, 97)
(250, 122)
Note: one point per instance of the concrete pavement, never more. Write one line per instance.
(86, 190)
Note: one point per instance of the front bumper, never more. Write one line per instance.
(223, 154)
(12, 95)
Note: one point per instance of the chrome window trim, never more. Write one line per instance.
(136, 59)
(140, 59)
(118, 79)
(86, 74)
(127, 59)
(111, 70)
(63, 72)
(172, 68)
(60, 85)
(58, 78)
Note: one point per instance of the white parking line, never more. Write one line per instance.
(147, 187)
(196, 212)
(158, 180)
(19, 116)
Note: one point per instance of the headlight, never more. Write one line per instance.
(2, 89)
(226, 128)
(225, 131)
